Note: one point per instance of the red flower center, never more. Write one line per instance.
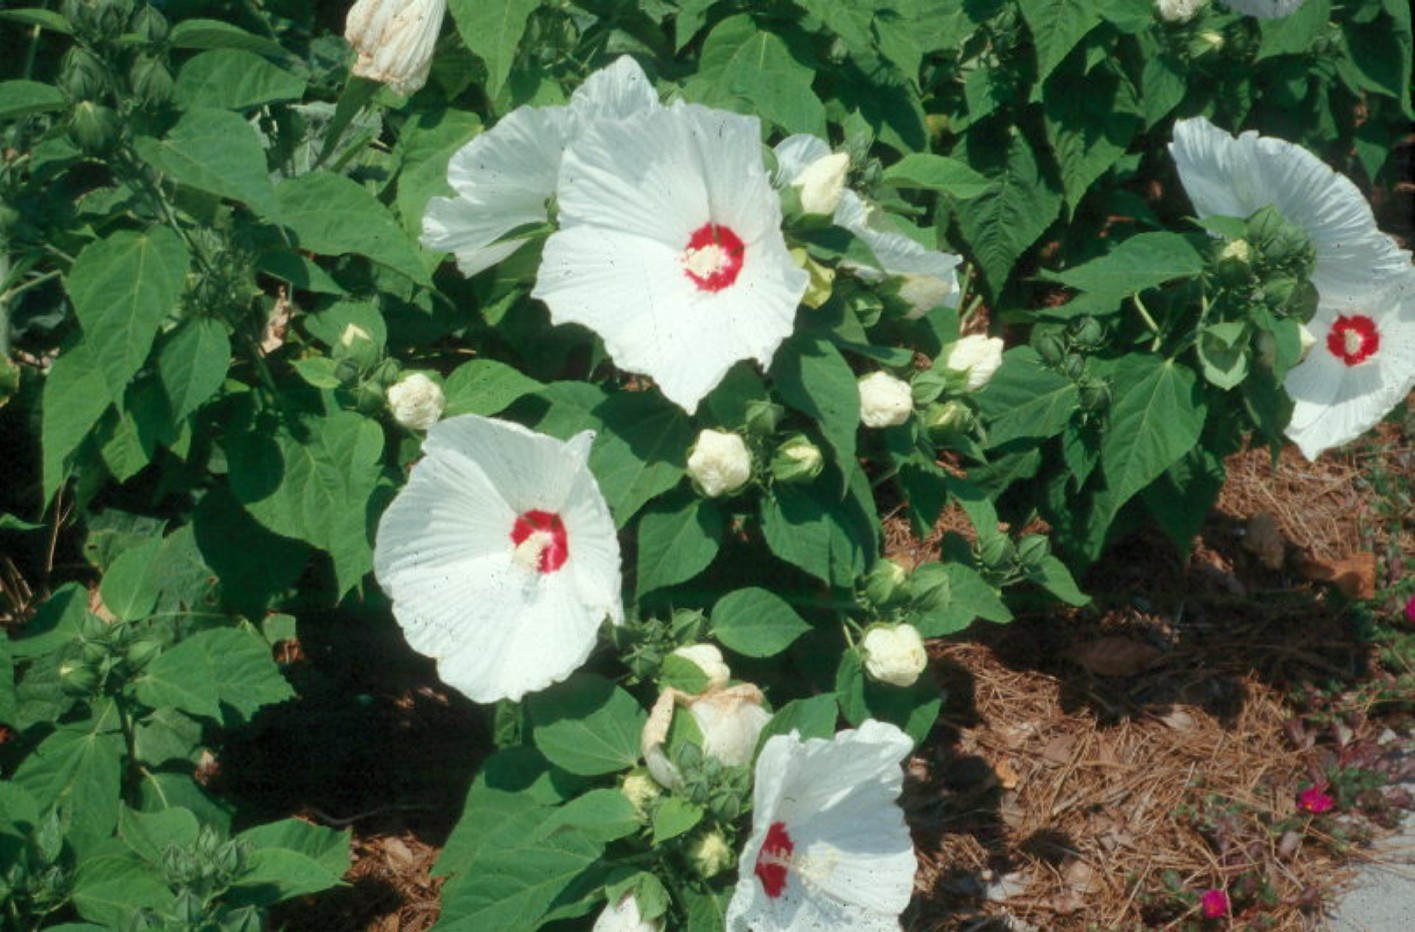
(713, 257)
(540, 542)
(773, 858)
(1354, 340)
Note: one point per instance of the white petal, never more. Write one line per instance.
(1265, 9)
(632, 193)
(794, 153)
(503, 179)
(614, 92)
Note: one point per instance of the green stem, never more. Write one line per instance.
(1149, 321)
(5, 302)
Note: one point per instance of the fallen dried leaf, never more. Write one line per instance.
(1263, 538)
(1007, 775)
(1060, 749)
(1115, 656)
(1354, 575)
(1179, 720)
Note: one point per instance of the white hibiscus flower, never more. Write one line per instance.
(505, 177)
(1265, 9)
(394, 40)
(500, 557)
(1361, 366)
(829, 848)
(928, 278)
(670, 247)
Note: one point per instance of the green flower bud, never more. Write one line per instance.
(356, 345)
(996, 551)
(885, 584)
(151, 81)
(149, 23)
(866, 307)
(1278, 292)
(93, 127)
(797, 460)
(1074, 366)
(1050, 344)
(1032, 550)
(1095, 396)
(948, 417)
(77, 678)
(1087, 332)
(113, 16)
(142, 652)
(82, 75)
(763, 416)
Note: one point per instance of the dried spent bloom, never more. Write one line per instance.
(1214, 903)
(884, 400)
(416, 401)
(1315, 800)
(977, 355)
(394, 40)
(719, 463)
(708, 658)
(894, 654)
(729, 720)
(624, 916)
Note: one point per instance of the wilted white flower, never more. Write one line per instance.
(829, 849)
(624, 916)
(822, 183)
(505, 177)
(884, 400)
(416, 401)
(1265, 9)
(500, 557)
(977, 355)
(729, 720)
(640, 789)
(711, 855)
(894, 654)
(1179, 11)
(708, 658)
(394, 40)
(719, 462)
(670, 247)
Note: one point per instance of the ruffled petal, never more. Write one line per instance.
(794, 154)
(613, 93)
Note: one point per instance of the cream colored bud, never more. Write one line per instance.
(884, 400)
(822, 183)
(352, 334)
(1238, 250)
(624, 916)
(719, 463)
(894, 654)
(924, 293)
(1178, 11)
(394, 40)
(640, 789)
(416, 401)
(711, 855)
(977, 355)
(708, 658)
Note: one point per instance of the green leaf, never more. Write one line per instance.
(815, 379)
(674, 817)
(315, 489)
(78, 769)
(641, 453)
(234, 79)
(21, 98)
(230, 666)
(214, 34)
(9, 704)
(166, 735)
(425, 146)
(76, 395)
(813, 718)
(1090, 131)
(45, 19)
(913, 708)
(1025, 399)
(677, 540)
(1001, 224)
(109, 890)
(122, 288)
(485, 386)
(756, 623)
(759, 67)
(970, 598)
(193, 364)
(331, 215)
(1142, 261)
(253, 564)
(1053, 576)
(215, 151)
(1293, 34)
(492, 29)
(603, 815)
(325, 846)
(130, 587)
(1057, 27)
(587, 725)
(1155, 419)
(55, 622)
(936, 173)
(1223, 353)
(707, 912)
(276, 874)
(149, 833)
(832, 540)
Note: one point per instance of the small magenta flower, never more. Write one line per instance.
(1410, 610)
(1315, 801)
(1214, 903)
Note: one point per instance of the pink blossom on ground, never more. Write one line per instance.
(1214, 903)
(1315, 801)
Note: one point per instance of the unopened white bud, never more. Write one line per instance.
(894, 654)
(884, 400)
(1178, 11)
(977, 355)
(416, 401)
(719, 463)
(822, 183)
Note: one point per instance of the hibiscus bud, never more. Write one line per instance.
(624, 916)
(1095, 396)
(885, 583)
(77, 678)
(762, 417)
(1087, 332)
(797, 460)
(1236, 250)
(356, 345)
(822, 278)
(151, 81)
(1265, 345)
(640, 788)
(947, 417)
(82, 75)
(1178, 11)
(996, 551)
(1305, 340)
(719, 463)
(1032, 550)
(729, 720)
(416, 401)
(923, 293)
(1050, 344)
(94, 128)
(1210, 40)
(394, 40)
(711, 855)
(149, 23)
(978, 356)
(708, 658)
(894, 654)
(822, 182)
(884, 400)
